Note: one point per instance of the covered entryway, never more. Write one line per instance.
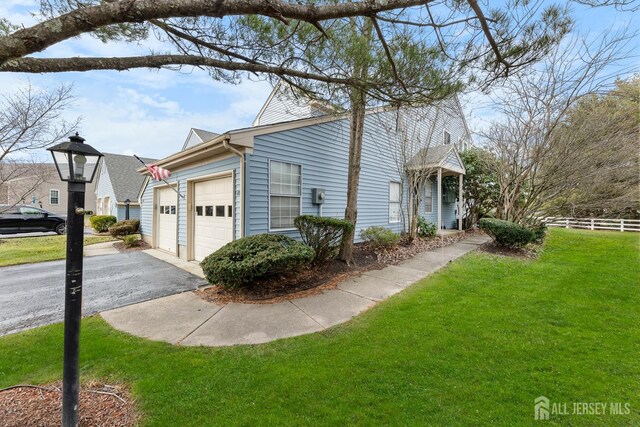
(212, 215)
(166, 219)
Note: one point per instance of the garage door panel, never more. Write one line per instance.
(213, 220)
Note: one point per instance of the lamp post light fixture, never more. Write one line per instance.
(76, 163)
(126, 208)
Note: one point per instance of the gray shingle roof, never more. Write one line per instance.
(125, 180)
(205, 135)
(430, 156)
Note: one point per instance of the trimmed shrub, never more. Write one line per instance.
(506, 233)
(426, 228)
(379, 237)
(124, 228)
(241, 262)
(130, 240)
(539, 232)
(101, 223)
(322, 234)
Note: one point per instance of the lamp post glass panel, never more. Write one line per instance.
(76, 163)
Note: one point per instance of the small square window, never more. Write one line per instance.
(208, 210)
(220, 210)
(54, 197)
(173, 210)
(447, 137)
(161, 209)
(199, 210)
(229, 211)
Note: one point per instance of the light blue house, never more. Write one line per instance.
(258, 179)
(118, 181)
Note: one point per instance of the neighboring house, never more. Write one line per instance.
(258, 179)
(39, 185)
(117, 181)
(198, 136)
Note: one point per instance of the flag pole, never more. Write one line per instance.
(164, 180)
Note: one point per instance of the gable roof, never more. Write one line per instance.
(198, 136)
(445, 156)
(125, 179)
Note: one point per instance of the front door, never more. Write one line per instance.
(166, 219)
(212, 216)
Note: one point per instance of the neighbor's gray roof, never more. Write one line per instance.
(205, 135)
(430, 156)
(126, 181)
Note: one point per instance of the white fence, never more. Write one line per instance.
(594, 223)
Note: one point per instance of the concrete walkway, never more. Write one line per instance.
(186, 319)
(104, 248)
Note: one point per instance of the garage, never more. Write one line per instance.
(167, 219)
(212, 215)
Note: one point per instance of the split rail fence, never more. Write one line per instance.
(594, 223)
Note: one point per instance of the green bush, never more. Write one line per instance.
(426, 228)
(130, 240)
(322, 234)
(539, 232)
(124, 228)
(507, 234)
(101, 223)
(379, 237)
(241, 262)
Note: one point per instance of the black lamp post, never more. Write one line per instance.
(126, 208)
(76, 163)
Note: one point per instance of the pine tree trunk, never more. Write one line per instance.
(355, 154)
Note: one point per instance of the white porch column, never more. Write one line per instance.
(460, 205)
(439, 198)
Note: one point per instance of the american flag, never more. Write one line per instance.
(158, 173)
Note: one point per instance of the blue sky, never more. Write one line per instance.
(149, 113)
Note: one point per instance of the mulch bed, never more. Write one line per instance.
(528, 252)
(140, 246)
(100, 405)
(315, 279)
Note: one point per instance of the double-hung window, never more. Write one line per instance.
(54, 197)
(447, 137)
(285, 187)
(428, 197)
(395, 190)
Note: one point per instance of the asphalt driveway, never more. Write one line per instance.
(33, 294)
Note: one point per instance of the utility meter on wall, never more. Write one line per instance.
(318, 195)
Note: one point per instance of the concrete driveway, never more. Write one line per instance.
(33, 294)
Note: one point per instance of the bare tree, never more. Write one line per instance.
(533, 159)
(30, 120)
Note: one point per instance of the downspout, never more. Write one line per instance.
(225, 144)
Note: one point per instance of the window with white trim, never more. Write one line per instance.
(285, 188)
(395, 190)
(428, 197)
(447, 137)
(54, 197)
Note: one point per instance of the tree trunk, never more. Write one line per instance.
(353, 180)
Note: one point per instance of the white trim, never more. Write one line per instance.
(399, 202)
(275, 230)
(156, 213)
(57, 197)
(430, 186)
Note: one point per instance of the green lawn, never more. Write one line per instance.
(474, 344)
(24, 250)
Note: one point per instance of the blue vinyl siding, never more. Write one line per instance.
(322, 150)
(181, 176)
(134, 212)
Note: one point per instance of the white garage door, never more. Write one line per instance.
(167, 217)
(213, 216)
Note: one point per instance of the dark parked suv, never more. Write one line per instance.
(29, 219)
